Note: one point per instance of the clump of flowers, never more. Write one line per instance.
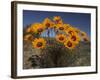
(65, 33)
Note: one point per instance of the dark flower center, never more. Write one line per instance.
(70, 32)
(30, 38)
(85, 39)
(61, 38)
(76, 31)
(61, 28)
(39, 44)
(69, 44)
(82, 34)
(73, 38)
(48, 24)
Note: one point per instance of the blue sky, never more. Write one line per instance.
(79, 20)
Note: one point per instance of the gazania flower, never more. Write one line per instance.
(70, 31)
(61, 37)
(66, 26)
(52, 25)
(29, 29)
(69, 44)
(85, 38)
(83, 34)
(47, 23)
(77, 30)
(75, 38)
(60, 26)
(39, 43)
(37, 27)
(60, 22)
(28, 37)
(57, 19)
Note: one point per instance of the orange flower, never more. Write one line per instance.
(28, 37)
(75, 38)
(66, 26)
(70, 31)
(57, 19)
(47, 23)
(85, 38)
(77, 30)
(28, 30)
(53, 24)
(60, 26)
(39, 43)
(83, 34)
(37, 27)
(61, 37)
(69, 44)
